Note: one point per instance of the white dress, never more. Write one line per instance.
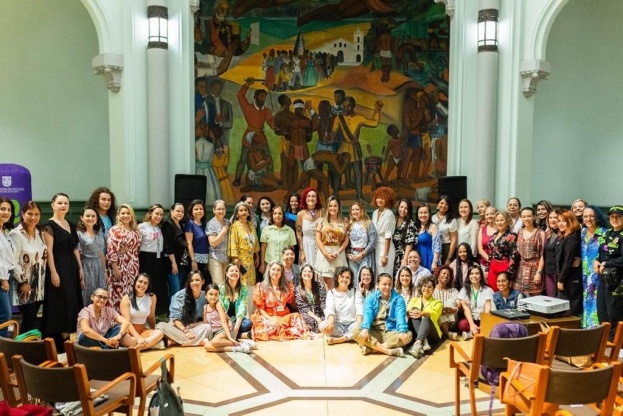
(385, 225)
(309, 242)
(204, 151)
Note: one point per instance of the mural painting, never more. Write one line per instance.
(342, 95)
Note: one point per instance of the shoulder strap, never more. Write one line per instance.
(350, 135)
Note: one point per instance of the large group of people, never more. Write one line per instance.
(226, 283)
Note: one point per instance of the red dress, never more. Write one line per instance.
(122, 248)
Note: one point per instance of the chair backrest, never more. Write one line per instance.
(102, 364)
(34, 352)
(578, 342)
(616, 344)
(527, 349)
(59, 384)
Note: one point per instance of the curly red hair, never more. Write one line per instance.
(387, 194)
(304, 197)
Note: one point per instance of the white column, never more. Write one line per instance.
(158, 120)
(483, 184)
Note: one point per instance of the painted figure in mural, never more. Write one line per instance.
(337, 162)
(385, 47)
(296, 79)
(299, 135)
(260, 175)
(394, 153)
(416, 119)
(220, 161)
(323, 124)
(283, 118)
(204, 152)
(201, 92)
(219, 111)
(220, 37)
(346, 9)
(350, 125)
(256, 115)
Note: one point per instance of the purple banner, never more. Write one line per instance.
(16, 185)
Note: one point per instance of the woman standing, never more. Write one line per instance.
(64, 276)
(275, 237)
(429, 243)
(475, 298)
(243, 249)
(448, 228)
(92, 253)
(139, 308)
(503, 255)
(594, 229)
(543, 208)
(577, 207)
(530, 243)
(234, 296)
(186, 326)
(196, 238)
(292, 209)
(151, 255)
(485, 235)
(306, 227)
(405, 233)
(569, 276)
(217, 231)
(481, 206)
(265, 207)
(468, 226)
(124, 240)
(103, 201)
(362, 238)
(344, 308)
(272, 319)
(7, 259)
(175, 248)
(549, 254)
(513, 207)
(383, 198)
(29, 276)
(310, 298)
(331, 240)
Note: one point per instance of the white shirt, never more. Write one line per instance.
(344, 306)
(152, 240)
(468, 233)
(445, 228)
(7, 256)
(477, 300)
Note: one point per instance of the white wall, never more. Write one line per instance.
(53, 110)
(578, 121)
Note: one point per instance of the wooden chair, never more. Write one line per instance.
(52, 383)
(490, 352)
(109, 364)
(594, 387)
(613, 348)
(576, 343)
(34, 352)
(11, 323)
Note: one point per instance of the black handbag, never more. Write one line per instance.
(165, 401)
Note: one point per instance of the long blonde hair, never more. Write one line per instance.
(365, 219)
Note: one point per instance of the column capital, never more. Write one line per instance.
(110, 65)
(450, 6)
(532, 71)
(194, 6)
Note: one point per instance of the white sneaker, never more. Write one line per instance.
(467, 335)
(159, 345)
(453, 336)
(416, 350)
(252, 345)
(425, 346)
(242, 348)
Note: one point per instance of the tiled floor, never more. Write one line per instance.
(311, 378)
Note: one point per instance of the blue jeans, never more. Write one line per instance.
(90, 342)
(176, 280)
(5, 310)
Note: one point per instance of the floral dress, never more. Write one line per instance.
(281, 324)
(123, 246)
(332, 237)
(590, 279)
(404, 234)
(530, 251)
(243, 245)
(305, 303)
(503, 256)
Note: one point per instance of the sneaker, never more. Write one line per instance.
(416, 350)
(425, 346)
(453, 336)
(467, 335)
(159, 345)
(252, 345)
(397, 352)
(242, 348)
(366, 350)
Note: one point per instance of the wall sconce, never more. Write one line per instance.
(158, 27)
(488, 30)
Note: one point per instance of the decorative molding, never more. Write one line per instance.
(110, 65)
(450, 6)
(532, 71)
(194, 6)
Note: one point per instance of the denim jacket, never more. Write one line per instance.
(396, 315)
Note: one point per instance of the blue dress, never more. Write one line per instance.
(590, 279)
(425, 248)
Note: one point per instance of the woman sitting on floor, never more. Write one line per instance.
(310, 298)
(101, 326)
(449, 297)
(219, 338)
(475, 298)
(344, 310)
(186, 326)
(506, 297)
(384, 328)
(272, 319)
(139, 307)
(234, 297)
(424, 312)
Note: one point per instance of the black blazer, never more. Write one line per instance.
(568, 249)
(174, 241)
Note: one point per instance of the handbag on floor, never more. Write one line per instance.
(165, 401)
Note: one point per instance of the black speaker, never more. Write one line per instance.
(453, 186)
(190, 187)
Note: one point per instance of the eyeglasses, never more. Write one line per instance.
(100, 297)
